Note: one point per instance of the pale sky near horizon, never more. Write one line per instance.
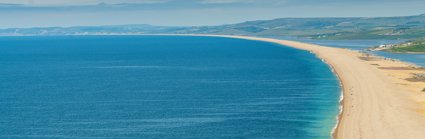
(47, 13)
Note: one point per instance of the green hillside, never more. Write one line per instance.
(402, 27)
(409, 47)
(407, 27)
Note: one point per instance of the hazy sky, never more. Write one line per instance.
(43, 13)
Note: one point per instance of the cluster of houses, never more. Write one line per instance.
(386, 46)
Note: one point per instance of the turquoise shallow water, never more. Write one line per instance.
(162, 87)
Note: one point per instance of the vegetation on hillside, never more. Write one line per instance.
(403, 27)
(409, 47)
(407, 27)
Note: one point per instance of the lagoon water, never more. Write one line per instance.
(362, 45)
(162, 87)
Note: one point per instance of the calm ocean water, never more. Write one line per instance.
(162, 87)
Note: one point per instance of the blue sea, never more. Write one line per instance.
(163, 87)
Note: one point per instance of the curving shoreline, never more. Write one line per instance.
(377, 101)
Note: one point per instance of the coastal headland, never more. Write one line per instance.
(382, 98)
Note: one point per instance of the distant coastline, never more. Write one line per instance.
(331, 28)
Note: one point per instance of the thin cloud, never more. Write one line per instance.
(54, 3)
(61, 3)
(225, 1)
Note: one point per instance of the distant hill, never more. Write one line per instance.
(90, 30)
(403, 27)
(406, 27)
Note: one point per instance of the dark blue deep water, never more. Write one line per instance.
(162, 87)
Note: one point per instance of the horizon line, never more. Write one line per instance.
(224, 24)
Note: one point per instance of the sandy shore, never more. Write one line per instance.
(382, 99)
